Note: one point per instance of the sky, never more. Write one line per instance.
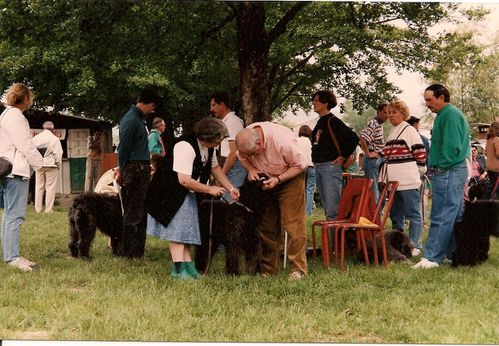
(413, 84)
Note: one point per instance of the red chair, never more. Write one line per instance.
(375, 230)
(354, 203)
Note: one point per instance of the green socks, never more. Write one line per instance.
(187, 271)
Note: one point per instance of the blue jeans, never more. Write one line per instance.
(16, 200)
(407, 205)
(446, 210)
(237, 175)
(309, 189)
(371, 170)
(329, 179)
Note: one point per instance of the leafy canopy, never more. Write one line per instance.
(92, 57)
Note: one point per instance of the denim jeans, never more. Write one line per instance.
(16, 200)
(371, 170)
(446, 210)
(329, 181)
(407, 205)
(237, 175)
(309, 189)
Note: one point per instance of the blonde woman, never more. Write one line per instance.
(406, 159)
(16, 144)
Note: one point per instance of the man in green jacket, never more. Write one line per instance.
(450, 146)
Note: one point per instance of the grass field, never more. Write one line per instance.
(110, 298)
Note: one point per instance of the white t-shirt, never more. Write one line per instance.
(306, 146)
(184, 156)
(234, 125)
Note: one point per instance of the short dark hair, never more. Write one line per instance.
(439, 90)
(221, 96)
(413, 120)
(326, 96)
(305, 131)
(381, 106)
(148, 95)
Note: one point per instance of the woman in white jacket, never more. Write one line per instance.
(406, 160)
(16, 144)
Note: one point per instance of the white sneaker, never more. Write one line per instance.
(416, 252)
(28, 262)
(296, 275)
(425, 264)
(20, 264)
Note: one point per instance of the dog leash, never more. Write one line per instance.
(210, 241)
(239, 204)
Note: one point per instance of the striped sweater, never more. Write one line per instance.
(406, 156)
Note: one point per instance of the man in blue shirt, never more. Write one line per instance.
(134, 172)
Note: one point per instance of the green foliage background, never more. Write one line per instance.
(92, 57)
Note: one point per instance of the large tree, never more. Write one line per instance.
(473, 83)
(92, 57)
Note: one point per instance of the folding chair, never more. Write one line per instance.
(354, 203)
(375, 229)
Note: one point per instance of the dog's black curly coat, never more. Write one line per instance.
(398, 247)
(234, 227)
(480, 221)
(88, 212)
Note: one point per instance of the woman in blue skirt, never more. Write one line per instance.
(171, 202)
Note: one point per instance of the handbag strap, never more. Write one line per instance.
(333, 137)
(1, 116)
(406, 126)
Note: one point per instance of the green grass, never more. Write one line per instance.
(110, 298)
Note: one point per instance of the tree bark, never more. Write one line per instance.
(252, 54)
(253, 46)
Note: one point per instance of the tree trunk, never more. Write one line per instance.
(252, 53)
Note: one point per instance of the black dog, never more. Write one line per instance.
(233, 225)
(480, 221)
(88, 212)
(478, 189)
(398, 247)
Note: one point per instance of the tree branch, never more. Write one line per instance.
(280, 27)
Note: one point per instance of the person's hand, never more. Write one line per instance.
(216, 191)
(253, 175)
(339, 161)
(234, 193)
(270, 183)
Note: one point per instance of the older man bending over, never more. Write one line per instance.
(273, 150)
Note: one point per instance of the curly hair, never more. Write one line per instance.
(400, 106)
(210, 130)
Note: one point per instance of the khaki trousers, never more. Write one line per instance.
(46, 179)
(290, 214)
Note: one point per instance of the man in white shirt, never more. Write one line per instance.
(50, 147)
(220, 107)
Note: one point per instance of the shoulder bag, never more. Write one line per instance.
(383, 167)
(348, 160)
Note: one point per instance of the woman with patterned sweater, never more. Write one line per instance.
(406, 161)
